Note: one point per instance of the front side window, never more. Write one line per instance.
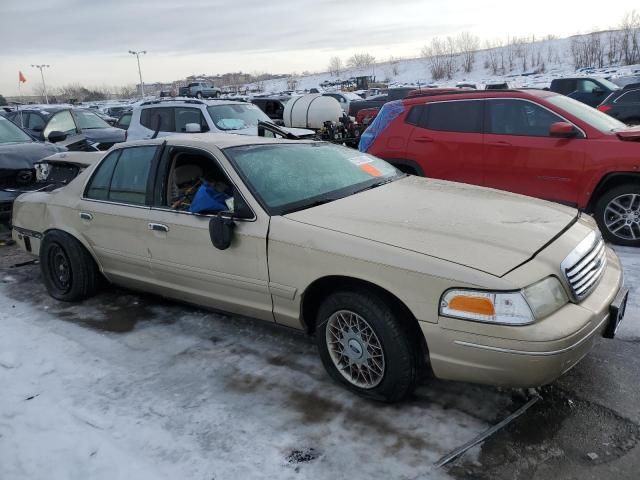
(60, 122)
(457, 116)
(236, 116)
(294, 176)
(587, 86)
(519, 117)
(122, 177)
(185, 115)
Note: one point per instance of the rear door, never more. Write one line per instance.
(521, 157)
(447, 140)
(112, 214)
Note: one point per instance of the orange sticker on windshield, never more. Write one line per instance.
(370, 169)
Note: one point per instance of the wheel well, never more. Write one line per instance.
(323, 287)
(406, 166)
(88, 250)
(607, 183)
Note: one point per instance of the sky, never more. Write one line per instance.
(86, 41)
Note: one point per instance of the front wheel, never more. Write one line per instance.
(364, 346)
(618, 215)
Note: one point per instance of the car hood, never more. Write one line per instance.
(482, 228)
(105, 135)
(17, 156)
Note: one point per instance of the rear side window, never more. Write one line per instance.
(414, 115)
(122, 176)
(519, 117)
(632, 96)
(458, 116)
(564, 87)
(149, 118)
(98, 188)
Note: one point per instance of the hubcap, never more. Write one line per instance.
(60, 268)
(355, 349)
(622, 216)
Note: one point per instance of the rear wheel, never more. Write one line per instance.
(618, 215)
(364, 346)
(68, 271)
(199, 95)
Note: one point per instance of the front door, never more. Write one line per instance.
(520, 156)
(184, 262)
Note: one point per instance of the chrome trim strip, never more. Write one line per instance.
(535, 354)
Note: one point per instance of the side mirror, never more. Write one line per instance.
(37, 128)
(562, 130)
(57, 136)
(221, 231)
(192, 128)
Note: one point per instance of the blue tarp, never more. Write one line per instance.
(388, 112)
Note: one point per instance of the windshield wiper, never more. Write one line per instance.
(378, 184)
(315, 203)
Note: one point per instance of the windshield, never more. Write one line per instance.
(587, 114)
(88, 120)
(10, 133)
(608, 84)
(294, 176)
(236, 117)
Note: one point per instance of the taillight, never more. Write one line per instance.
(604, 108)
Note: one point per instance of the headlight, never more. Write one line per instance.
(42, 171)
(508, 308)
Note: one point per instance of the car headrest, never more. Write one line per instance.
(186, 173)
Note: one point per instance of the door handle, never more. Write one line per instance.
(158, 227)
(86, 216)
(423, 139)
(499, 144)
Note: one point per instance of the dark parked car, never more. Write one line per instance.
(379, 100)
(18, 153)
(124, 121)
(272, 106)
(589, 90)
(624, 104)
(41, 122)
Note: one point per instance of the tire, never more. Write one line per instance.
(199, 95)
(216, 94)
(68, 271)
(388, 377)
(618, 215)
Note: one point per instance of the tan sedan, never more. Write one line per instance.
(393, 274)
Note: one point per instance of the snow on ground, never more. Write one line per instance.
(190, 394)
(126, 386)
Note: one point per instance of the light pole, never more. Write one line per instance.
(44, 86)
(137, 54)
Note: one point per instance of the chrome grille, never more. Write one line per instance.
(585, 265)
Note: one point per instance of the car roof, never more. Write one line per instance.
(218, 140)
(186, 100)
(479, 94)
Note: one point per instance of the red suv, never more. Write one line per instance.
(532, 142)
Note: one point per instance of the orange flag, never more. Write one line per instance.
(21, 77)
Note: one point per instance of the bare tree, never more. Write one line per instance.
(441, 57)
(360, 60)
(335, 66)
(493, 54)
(292, 82)
(588, 51)
(630, 38)
(394, 66)
(127, 91)
(467, 45)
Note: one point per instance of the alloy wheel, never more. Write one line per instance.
(622, 216)
(355, 349)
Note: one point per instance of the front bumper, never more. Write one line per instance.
(533, 357)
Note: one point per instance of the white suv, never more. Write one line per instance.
(174, 116)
